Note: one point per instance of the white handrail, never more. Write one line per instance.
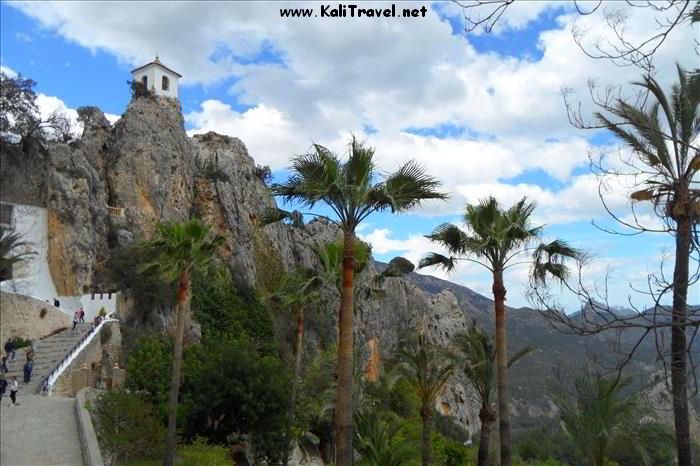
(50, 381)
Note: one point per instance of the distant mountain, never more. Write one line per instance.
(553, 350)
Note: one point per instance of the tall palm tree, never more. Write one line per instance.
(427, 368)
(479, 354)
(663, 136)
(175, 251)
(601, 421)
(352, 191)
(496, 239)
(297, 291)
(12, 251)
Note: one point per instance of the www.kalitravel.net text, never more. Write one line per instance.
(353, 11)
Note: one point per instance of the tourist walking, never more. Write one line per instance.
(76, 319)
(28, 367)
(14, 387)
(3, 386)
(10, 348)
(81, 315)
(3, 365)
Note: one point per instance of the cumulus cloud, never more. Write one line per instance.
(316, 80)
(8, 71)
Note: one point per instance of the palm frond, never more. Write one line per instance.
(549, 259)
(180, 247)
(275, 214)
(406, 188)
(13, 250)
(450, 236)
(435, 259)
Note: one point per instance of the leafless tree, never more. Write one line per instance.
(621, 50)
(659, 168)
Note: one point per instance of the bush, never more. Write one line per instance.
(264, 173)
(138, 89)
(230, 388)
(149, 291)
(199, 453)
(22, 343)
(127, 428)
(223, 312)
(43, 313)
(149, 369)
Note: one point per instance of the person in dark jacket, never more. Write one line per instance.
(10, 348)
(28, 367)
(3, 385)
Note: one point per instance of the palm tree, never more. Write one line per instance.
(602, 422)
(496, 239)
(177, 250)
(377, 442)
(9, 254)
(479, 354)
(427, 368)
(663, 137)
(297, 291)
(352, 192)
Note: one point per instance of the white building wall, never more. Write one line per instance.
(155, 75)
(33, 277)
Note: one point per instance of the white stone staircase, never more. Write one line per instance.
(48, 353)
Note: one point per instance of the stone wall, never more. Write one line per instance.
(20, 316)
(92, 456)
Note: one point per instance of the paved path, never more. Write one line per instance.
(41, 431)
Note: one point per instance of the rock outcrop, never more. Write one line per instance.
(116, 183)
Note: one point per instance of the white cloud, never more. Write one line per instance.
(8, 71)
(330, 77)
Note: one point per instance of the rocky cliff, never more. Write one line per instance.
(111, 187)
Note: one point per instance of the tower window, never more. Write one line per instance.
(6, 216)
(144, 80)
(165, 84)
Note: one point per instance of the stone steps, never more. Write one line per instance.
(48, 352)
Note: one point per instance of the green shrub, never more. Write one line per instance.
(229, 388)
(43, 313)
(102, 312)
(127, 428)
(149, 368)
(450, 452)
(199, 453)
(22, 343)
(139, 89)
(223, 312)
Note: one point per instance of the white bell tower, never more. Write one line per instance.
(158, 78)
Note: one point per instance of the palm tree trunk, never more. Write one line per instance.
(177, 367)
(484, 436)
(299, 339)
(343, 407)
(426, 445)
(679, 374)
(499, 295)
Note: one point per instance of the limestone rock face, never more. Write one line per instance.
(150, 166)
(77, 218)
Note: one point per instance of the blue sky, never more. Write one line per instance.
(482, 111)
